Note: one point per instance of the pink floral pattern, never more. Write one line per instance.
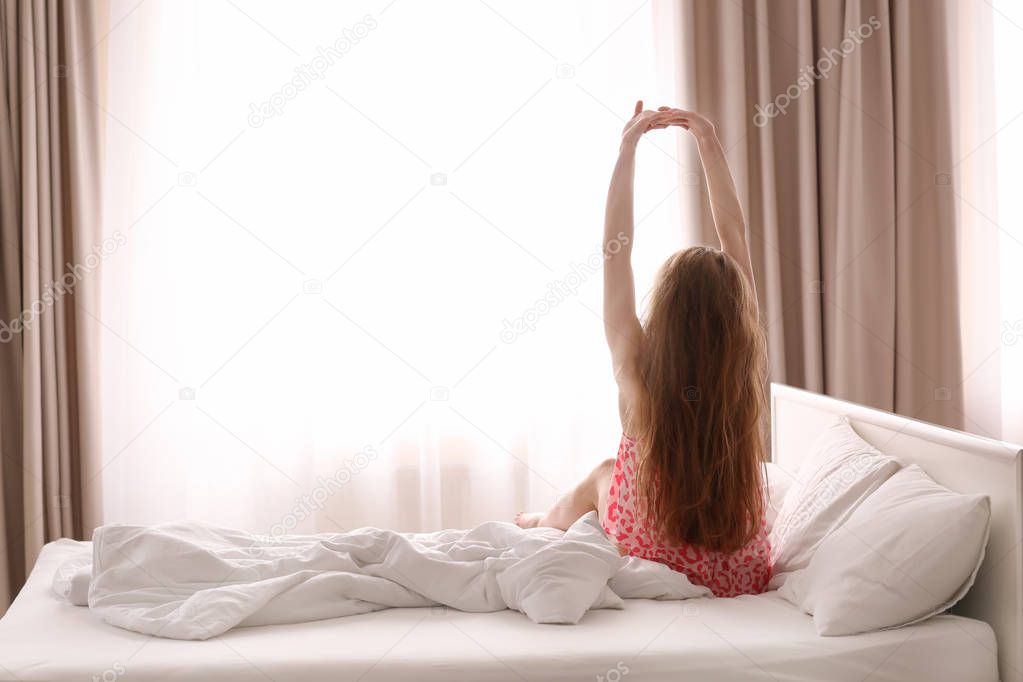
(727, 575)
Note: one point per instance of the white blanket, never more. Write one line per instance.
(194, 581)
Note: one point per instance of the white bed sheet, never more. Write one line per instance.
(763, 637)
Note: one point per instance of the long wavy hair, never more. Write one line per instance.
(699, 418)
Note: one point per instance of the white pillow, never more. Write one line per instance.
(840, 471)
(910, 551)
(777, 483)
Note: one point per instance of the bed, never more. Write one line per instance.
(761, 637)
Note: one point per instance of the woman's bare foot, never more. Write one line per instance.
(528, 519)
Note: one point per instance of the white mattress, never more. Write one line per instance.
(763, 637)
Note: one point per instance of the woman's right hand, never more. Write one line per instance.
(642, 121)
(699, 125)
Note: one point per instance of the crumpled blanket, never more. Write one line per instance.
(189, 580)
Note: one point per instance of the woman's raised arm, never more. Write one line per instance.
(729, 221)
(621, 325)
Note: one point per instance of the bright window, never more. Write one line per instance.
(360, 275)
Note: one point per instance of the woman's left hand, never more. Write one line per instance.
(698, 124)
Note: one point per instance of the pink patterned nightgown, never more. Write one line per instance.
(746, 571)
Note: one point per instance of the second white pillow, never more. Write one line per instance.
(912, 550)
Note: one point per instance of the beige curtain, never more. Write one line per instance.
(838, 118)
(49, 169)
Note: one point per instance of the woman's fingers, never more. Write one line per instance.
(681, 114)
(659, 120)
(645, 121)
(675, 117)
(664, 117)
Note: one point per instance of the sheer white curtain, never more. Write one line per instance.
(1008, 34)
(987, 182)
(358, 280)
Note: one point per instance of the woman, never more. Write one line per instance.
(685, 488)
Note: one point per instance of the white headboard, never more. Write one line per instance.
(959, 461)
